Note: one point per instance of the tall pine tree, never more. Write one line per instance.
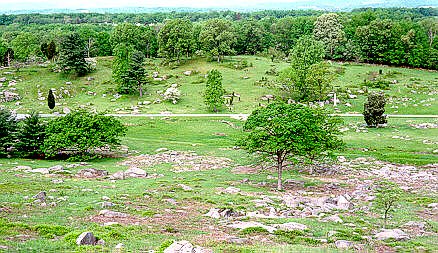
(72, 54)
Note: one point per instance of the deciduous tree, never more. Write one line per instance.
(290, 130)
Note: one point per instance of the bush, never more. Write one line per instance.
(378, 84)
(374, 110)
(80, 133)
(30, 135)
(8, 127)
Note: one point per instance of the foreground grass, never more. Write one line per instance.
(25, 226)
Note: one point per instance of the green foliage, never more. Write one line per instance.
(329, 30)
(122, 55)
(374, 109)
(250, 39)
(214, 92)
(51, 50)
(51, 100)
(8, 126)
(128, 70)
(81, 133)
(387, 196)
(51, 231)
(253, 230)
(308, 78)
(287, 31)
(30, 135)
(218, 37)
(281, 130)
(25, 45)
(72, 54)
(141, 38)
(176, 39)
(164, 245)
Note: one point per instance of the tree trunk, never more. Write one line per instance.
(385, 219)
(140, 89)
(279, 171)
(218, 59)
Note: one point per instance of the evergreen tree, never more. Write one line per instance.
(51, 100)
(214, 92)
(374, 110)
(30, 135)
(8, 126)
(136, 74)
(51, 50)
(72, 54)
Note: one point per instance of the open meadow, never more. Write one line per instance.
(185, 178)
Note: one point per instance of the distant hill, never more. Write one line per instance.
(330, 5)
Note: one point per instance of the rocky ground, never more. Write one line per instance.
(346, 189)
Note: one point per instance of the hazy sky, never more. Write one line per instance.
(43, 4)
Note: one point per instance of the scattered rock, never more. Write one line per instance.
(100, 242)
(24, 168)
(290, 226)
(66, 110)
(107, 204)
(188, 72)
(185, 187)
(86, 238)
(160, 150)
(343, 244)
(135, 172)
(231, 190)
(119, 175)
(343, 203)
(396, 234)
(105, 198)
(213, 213)
(40, 170)
(185, 247)
(112, 214)
(333, 218)
(237, 240)
(92, 173)
(41, 196)
(56, 168)
(119, 246)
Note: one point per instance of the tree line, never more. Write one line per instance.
(401, 37)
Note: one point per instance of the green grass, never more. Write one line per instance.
(414, 92)
(28, 227)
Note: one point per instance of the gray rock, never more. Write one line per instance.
(86, 238)
(112, 214)
(290, 226)
(343, 203)
(213, 213)
(100, 242)
(25, 168)
(56, 168)
(237, 240)
(66, 110)
(107, 204)
(92, 173)
(343, 244)
(135, 172)
(119, 175)
(396, 234)
(185, 187)
(232, 190)
(41, 196)
(333, 218)
(40, 170)
(180, 247)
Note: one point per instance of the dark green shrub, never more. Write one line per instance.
(79, 134)
(374, 110)
(30, 135)
(51, 100)
(254, 230)
(8, 126)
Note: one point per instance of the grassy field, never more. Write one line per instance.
(413, 93)
(159, 209)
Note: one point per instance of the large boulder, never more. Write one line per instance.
(86, 238)
(343, 244)
(135, 172)
(396, 234)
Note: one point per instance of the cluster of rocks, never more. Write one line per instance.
(425, 125)
(289, 226)
(185, 247)
(181, 161)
